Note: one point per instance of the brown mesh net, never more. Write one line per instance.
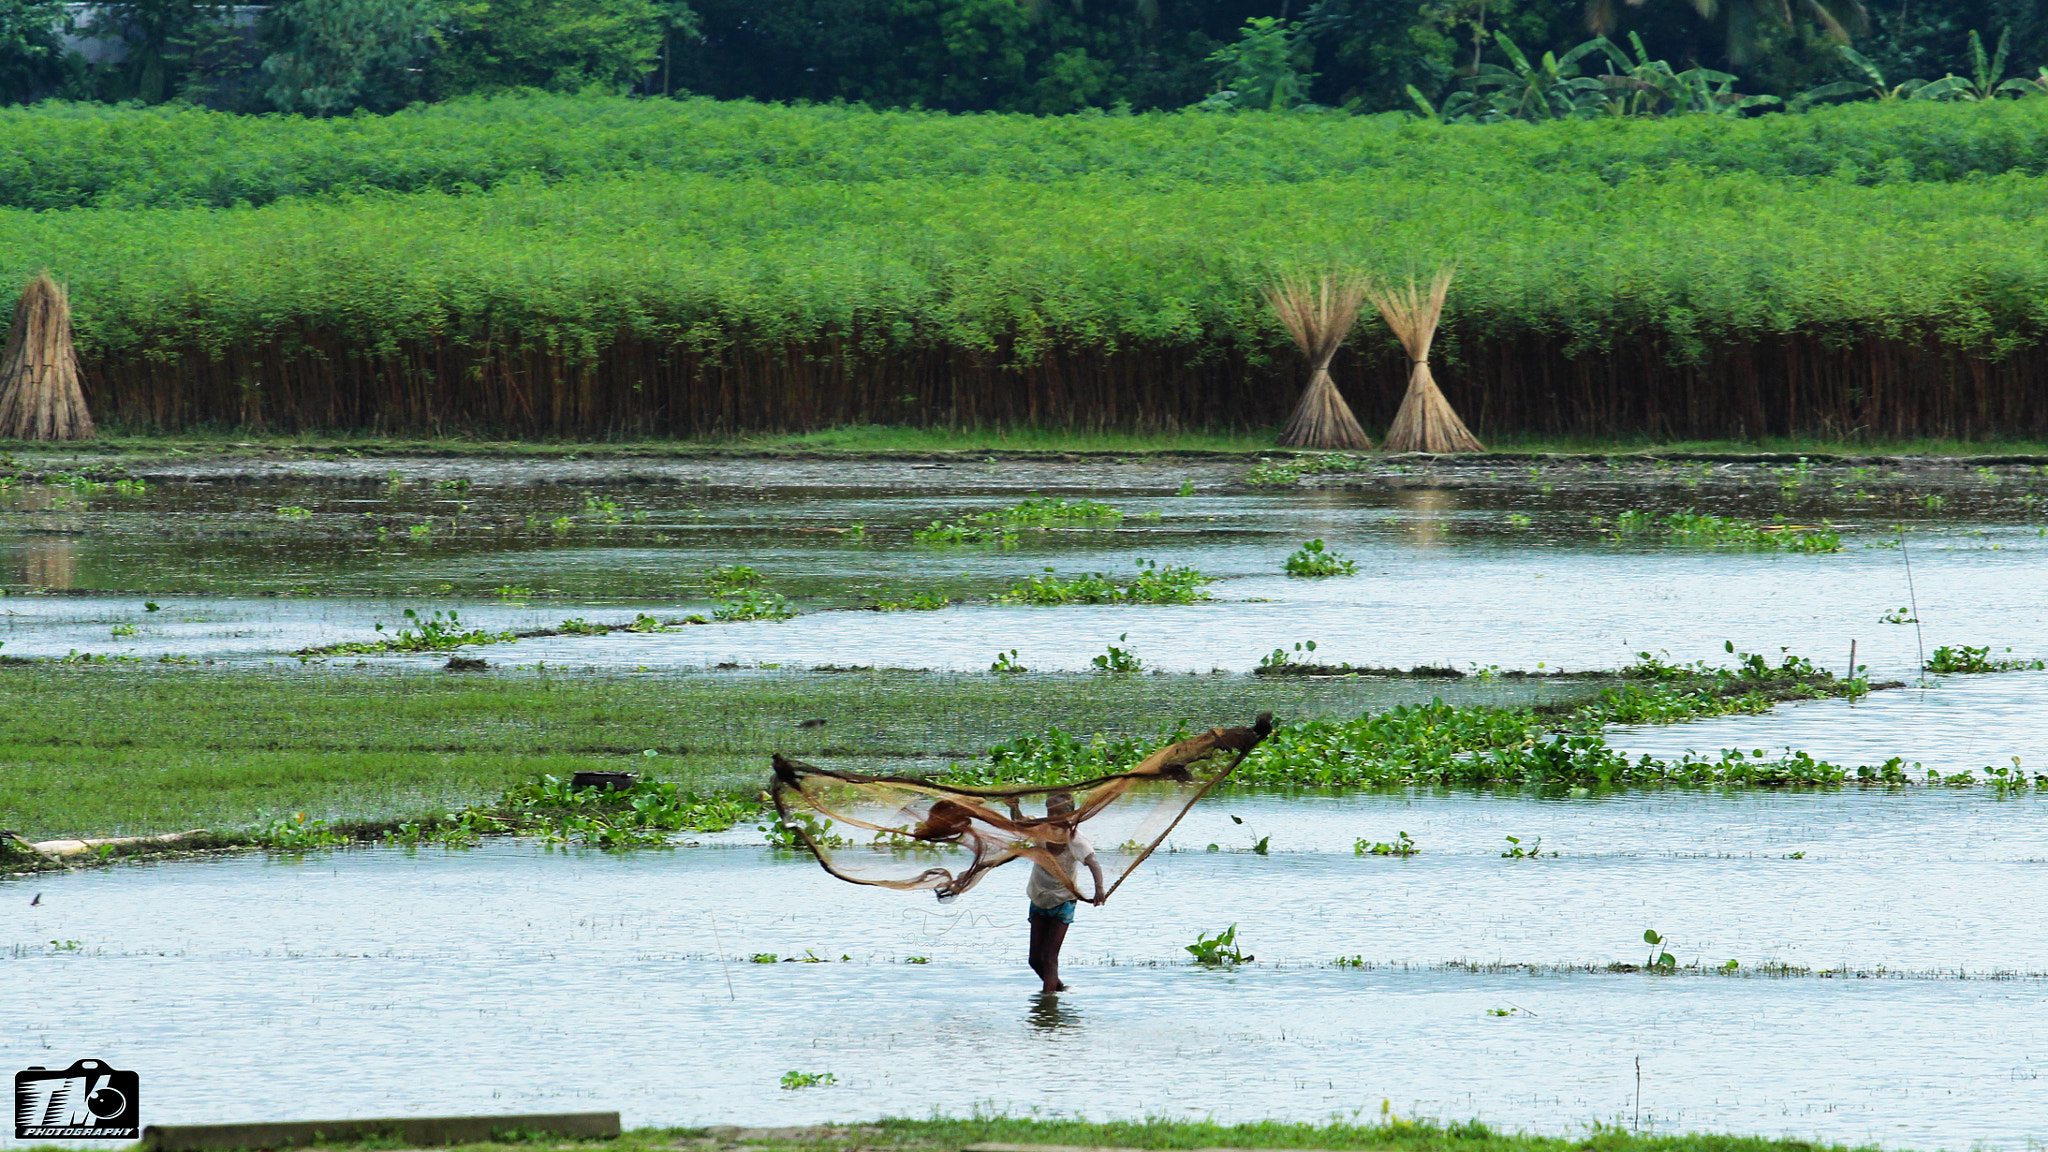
(899, 832)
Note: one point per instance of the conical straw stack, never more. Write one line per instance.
(1318, 315)
(1426, 422)
(39, 394)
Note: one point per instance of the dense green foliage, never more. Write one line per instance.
(974, 55)
(336, 55)
(59, 155)
(1021, 267)
(564, 264)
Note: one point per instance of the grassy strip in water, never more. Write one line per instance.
(91, 750)
(119, 749)
(1465, 746)
(945, 1134)
(443, 632)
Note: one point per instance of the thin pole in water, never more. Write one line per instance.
(1639, 1093)
(729, 993)
(1852, 661)
(1913, 604)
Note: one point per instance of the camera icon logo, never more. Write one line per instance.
(88, 1101)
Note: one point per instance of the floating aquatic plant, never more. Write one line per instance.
(1967, 659)
(1315, 559)
(1151, 585)
(1659, 961)
(1119, 661)
(1402, 845)
(1220, 950)
(1004, 527)
(752, 604)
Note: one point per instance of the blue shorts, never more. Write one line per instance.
(1064, 913)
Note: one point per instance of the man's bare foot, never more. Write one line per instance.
(1055, 988)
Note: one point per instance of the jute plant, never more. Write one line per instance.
(1318, 314)
(1425, 422)
(39, 394)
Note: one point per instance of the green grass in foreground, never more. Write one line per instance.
(890, 440)
(949, 1135)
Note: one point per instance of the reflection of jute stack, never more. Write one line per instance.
(1425, 422)
(39, 394)
(1318, 315)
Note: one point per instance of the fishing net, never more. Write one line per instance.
(915, 835)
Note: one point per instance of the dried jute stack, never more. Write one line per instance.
(1318, 315)
(1426, 422)
(39, 394)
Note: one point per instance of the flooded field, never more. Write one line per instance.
(1487, 568)
(377, 982)
(1855, 966)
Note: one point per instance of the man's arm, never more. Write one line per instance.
(1095, 870)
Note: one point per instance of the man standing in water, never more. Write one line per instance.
(1052, 902)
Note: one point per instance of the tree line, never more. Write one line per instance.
(329, 57)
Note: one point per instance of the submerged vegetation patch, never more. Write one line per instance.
(1005, 527)
(1706, 530)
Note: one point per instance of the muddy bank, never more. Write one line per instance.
(1033, 471)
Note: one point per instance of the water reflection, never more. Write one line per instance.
(1049, 1014)
(1426, 513)
(48, 562)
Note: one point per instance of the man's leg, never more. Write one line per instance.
(1039, 924)
(1055, 936)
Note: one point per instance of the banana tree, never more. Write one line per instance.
(2027, 85)
(1646, 87)
(1549, 89)
(1987, 80)
(1874, 86)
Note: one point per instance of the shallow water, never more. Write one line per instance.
(1473, 572)
(380, 982)
(509, 979)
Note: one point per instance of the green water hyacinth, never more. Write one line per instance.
(1152, 585)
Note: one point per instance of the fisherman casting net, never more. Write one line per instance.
(914, 835)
